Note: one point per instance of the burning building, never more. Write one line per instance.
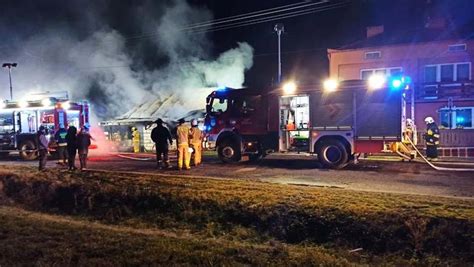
(170, 109)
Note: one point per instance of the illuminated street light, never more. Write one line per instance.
(330, 85)
(289, 88)
(376, 81)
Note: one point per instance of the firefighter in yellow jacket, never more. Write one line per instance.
(136, 140)
(182, 140)
(195, 141)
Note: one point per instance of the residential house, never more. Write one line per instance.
(440, 66)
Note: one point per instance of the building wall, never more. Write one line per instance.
(347, 64)
(412, 58)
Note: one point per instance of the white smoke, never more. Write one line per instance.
(100, 67)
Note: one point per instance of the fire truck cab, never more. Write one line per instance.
(20, 120)
(335, 125)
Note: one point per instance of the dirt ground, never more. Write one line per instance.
(368, 175)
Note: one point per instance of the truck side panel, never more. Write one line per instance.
(378, 114)
(371, 113)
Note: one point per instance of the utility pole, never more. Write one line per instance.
(10, 66)
(279, 29)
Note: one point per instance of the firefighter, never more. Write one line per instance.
(60, 138)
(195, 141)
(431, 138)
(83, 143)
(71, 139)
(161, 136)
(42, 147)
(182, 140)
(136, 140)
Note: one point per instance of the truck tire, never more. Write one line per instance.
(333, 155)
(28, 150)
(229, 152)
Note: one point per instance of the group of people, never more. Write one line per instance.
(189, 144)
(69, 144)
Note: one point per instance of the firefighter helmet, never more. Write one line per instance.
(194, 123)
(429, 120)
(134, 129)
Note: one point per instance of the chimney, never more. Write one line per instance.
(374, 31)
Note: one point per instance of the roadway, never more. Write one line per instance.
(368, 175)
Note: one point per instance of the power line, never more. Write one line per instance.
(271, 18)
(199, 25)
(242, 16)
(209, 24)
(250, 13)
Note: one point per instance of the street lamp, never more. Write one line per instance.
(10, 66)
(279, 29)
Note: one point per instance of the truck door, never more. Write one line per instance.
(294, 123)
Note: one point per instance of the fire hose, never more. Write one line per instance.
(132, 158)
(437, 167)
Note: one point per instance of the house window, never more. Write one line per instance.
(457, 47)
(463, 72)
(373, 55)
(456, 118)
(366, 73)
(453, 72)
(447, 73)
(430, 74)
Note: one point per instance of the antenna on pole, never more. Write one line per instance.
(279, 29)
(10, 66)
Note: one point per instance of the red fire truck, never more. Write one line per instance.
(20, 120)
(336, 123)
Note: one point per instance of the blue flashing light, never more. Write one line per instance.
(213, 122)
(222, 89)
(397, 83)
(460, 119)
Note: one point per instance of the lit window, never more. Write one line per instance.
(366, 73)
(463, 118)
(456, 118)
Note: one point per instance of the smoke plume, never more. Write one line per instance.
(94, 59)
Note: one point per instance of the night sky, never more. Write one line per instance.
(304, 43)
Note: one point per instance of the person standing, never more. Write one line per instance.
(60, 138)
(83, 143)
(432, 139)
(136, 140)
(71, 140)
(42, 147)
(161, 136)
(182, 140)
(195, 141)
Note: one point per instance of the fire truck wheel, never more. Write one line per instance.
(332, 154)
(229, 152)
(27, 150)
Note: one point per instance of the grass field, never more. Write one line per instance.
(61, 218)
